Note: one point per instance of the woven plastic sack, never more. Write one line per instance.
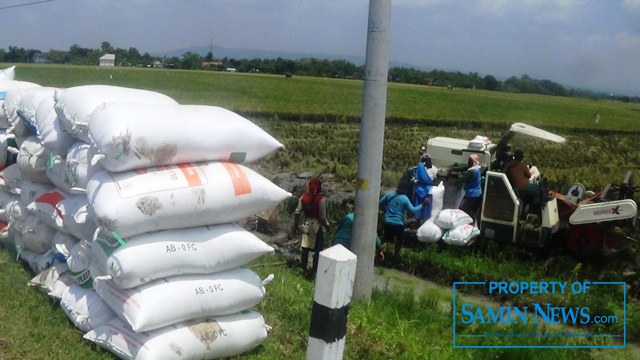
(57, 173)
(178, 196)
(62, 244)
(33, 160)
(429, 232)
(207, 338)
(180, 298)
(199, 250)
(8, 73)
(437, 200)
(37, 262)
(8, 154)
(80, 165)
(27, 108)
(79, 261)
(52, 281)
(134, 136)
(10, 94)
(76, 218)
(5, 198)
(84, 308)
(35, 235)
(50, 130)
(30, 191)
(10, 178)
(75, 104)
(45, 208)
(461, 235)
(452, 218)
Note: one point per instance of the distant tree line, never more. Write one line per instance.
(77, 55)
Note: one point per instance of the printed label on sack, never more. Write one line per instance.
(239, 179)
(161, 178)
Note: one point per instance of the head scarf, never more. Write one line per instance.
(475, 159)
(315, 186)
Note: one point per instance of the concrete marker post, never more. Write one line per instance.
(331, 301)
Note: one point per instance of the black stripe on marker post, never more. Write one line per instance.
(328, 324)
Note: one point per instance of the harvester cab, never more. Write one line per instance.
(502, 216)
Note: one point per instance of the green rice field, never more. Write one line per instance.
(318, 121)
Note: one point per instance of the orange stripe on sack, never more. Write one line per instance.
(192, 177)
(239, 179)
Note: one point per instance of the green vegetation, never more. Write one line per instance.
(395, 325)
(318, 122)
(337, 69)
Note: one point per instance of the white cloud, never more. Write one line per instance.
(416, 3)
(631, 5)
(632, 9)
(627, 41)
(539, 10)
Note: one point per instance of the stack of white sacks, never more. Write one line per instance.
(452, 226)
(125, 202)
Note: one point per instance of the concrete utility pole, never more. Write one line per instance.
(374, 104)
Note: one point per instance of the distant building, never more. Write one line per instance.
(108, 60)
(39, 58)
(157, 64)
(216, 65)
(231, 69)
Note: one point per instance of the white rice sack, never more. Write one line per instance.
(79, 261)
(180, 298)
(5, 198)
(134, 136)
(57, 173)
(35, 235)
(33, 160)
(14, 212)
(80, 164)
(84, 308)
(178, 196)
(75, 105)
(50, 130)
(52, 281)
(199, 250)
(13, 232)
(461, 235)
(8, 153)
(10, 94)
(207, 338)
(62, 244)
(76, 218)
(37, 262)
(29, 104)
(10, 178)
(452, 218)
(8, 73)
(429, 232)
(45, 208)
(30, 191)
(535, 174)
(437, 201)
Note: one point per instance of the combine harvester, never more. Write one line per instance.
(594, 221)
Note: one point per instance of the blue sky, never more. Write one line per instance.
(592, 44)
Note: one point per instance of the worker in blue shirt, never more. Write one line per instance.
(396, 204)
